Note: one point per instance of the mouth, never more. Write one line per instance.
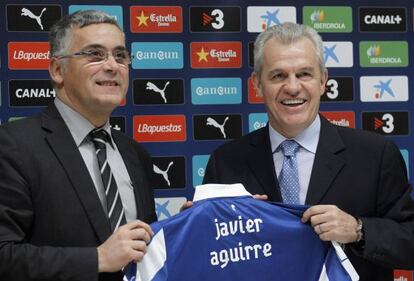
(108, 83)
(293, 102)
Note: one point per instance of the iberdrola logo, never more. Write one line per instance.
(318, 16)
(374, 51)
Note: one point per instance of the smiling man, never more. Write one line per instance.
(75, 196)
(354, 182)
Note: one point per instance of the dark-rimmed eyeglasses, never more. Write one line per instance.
(121, 56)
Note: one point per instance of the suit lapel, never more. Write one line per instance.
(327, 163)
(133, 165)
(260, 161)
(63, 145)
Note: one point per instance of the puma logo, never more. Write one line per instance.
(164, 174)
(151, 86)
(27, 13)
(212, 122)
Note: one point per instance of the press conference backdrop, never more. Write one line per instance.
(189, 81)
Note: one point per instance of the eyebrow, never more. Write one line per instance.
(99, 46)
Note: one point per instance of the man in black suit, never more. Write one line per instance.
(55, 215)
(354, 181)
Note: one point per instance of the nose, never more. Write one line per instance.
(292, 85)
(110, 63)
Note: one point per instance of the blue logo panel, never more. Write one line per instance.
(257, 121)
(199, 168)
(115, 11)
(157, 55)
(216, 90)
(405, 155)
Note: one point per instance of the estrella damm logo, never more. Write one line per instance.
(340, 118)
(153, 19)
(216, 54)
(160, 128)
(328, 19)
(383, 53)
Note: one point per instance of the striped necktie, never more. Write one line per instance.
(115, 209)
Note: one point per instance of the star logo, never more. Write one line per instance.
(142, 19)
(384, 87)
(329, 52)
(270, 18)
(202, 55)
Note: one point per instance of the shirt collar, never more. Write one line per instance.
(308, 138)
(78, 125)
(213, 190)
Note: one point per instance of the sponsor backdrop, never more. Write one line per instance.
(189, 82)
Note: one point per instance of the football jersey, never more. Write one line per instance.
(229, 235)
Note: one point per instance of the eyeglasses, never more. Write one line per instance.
(97, 55)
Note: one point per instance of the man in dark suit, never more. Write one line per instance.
(56, 219)
(354, 181)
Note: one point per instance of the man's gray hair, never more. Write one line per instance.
(60, 34)
(287, 33)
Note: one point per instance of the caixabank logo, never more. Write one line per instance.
(160, 128)
(158, 91)
(384, 88)
(386, 122)
(216, 90)
(328, 19)
(217, 127)
(338, 54)
(168, 172)
(383, 53)
(30, 92)
(216, 54)
(28, 55)
(340, 118)
(215, 19)
(382, 19)
(33, 18)
(339, 89)
(166, 207)
(155, 19)
(261, 17)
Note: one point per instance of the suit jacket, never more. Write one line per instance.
(51, 219)
(361, 172)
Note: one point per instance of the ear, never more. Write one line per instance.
(324, 79)
(56, 70)
(256, 84)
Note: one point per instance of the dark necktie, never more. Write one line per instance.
(289, 177)
(113, 200)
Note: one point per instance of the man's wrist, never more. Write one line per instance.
(359, 231)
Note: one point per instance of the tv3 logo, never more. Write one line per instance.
(339, 89)
(386, 123)
(218, 19)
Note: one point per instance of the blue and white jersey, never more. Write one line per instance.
(229, 235)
